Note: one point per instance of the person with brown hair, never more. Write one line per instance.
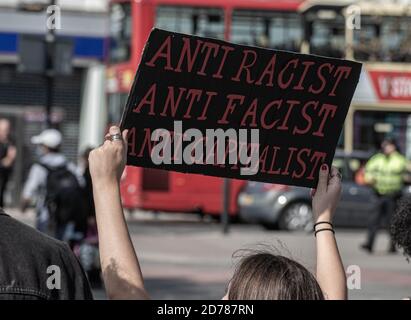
(261, 275)
(264, 275)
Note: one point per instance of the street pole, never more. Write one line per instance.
(225, 218)
(50, 41)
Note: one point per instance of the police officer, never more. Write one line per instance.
(385, 172)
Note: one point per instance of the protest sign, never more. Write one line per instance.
(207, 106)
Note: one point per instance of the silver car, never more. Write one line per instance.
(289, 207)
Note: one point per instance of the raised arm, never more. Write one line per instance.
(121, 270)
(330, 270)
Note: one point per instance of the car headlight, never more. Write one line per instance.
(246, 200)
(282, 200)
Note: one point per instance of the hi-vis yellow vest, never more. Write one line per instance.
(387, 172)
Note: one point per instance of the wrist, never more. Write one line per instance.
(103, 183)
(324, 216)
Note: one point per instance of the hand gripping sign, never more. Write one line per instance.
(211, 107)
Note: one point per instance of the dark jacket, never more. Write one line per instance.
(28, 263)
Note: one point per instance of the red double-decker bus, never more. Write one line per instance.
(266, 23)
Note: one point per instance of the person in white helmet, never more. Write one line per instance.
(37, 186)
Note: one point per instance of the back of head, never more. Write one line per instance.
(266, 276)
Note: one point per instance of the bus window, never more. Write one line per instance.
(383, 39)
(267, 29)
(328, 37)
(205, 22)
(120, 32)
(371, 127)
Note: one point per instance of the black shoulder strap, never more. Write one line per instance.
(50, 169)
(44, 166)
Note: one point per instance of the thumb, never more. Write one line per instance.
(125, 136)
(125, 140)
(323, 178)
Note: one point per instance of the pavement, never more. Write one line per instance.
(184, 257)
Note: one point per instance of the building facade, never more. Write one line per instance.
(77, 99)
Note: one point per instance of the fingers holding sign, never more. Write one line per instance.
(108, 161)
(327, 194)
(114, 135)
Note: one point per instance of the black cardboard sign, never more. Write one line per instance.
(297, 103)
